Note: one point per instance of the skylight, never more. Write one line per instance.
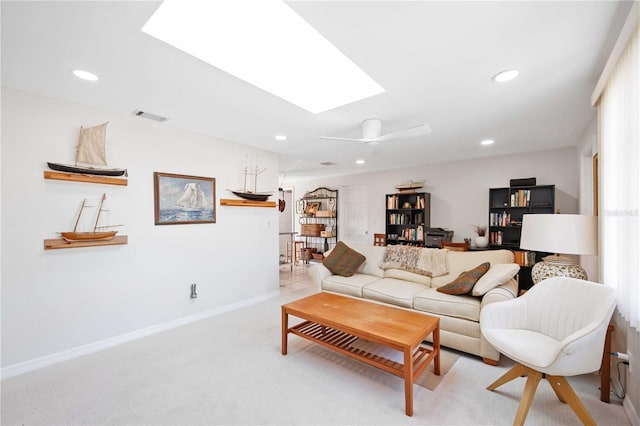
(266, 44)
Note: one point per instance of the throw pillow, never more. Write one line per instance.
(418, 260)
(343, 260)
(465, 281)
(497, 275)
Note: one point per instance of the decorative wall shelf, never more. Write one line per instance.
(246, 203)
(59, 243)
(85, 178)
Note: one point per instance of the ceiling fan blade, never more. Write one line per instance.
(411, 132)
(341, 139)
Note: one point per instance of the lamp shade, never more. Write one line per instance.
(560, 233)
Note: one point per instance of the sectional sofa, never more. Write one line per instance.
(459, 314)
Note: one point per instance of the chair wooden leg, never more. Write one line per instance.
(565, 393)
(556, 389)
(516, 371)
(533, 378)
(527, 396)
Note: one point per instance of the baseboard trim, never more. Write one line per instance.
(58, 357)
(631, 412)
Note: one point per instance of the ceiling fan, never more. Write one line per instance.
(372, 133)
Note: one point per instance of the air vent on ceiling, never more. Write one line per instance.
(329, 163)
(148, 115)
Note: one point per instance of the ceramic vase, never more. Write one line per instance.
(482, 241)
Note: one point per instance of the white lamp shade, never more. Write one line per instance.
(560, 233)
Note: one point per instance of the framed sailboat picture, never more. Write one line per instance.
(182, 199)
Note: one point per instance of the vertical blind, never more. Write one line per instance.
(619, 155)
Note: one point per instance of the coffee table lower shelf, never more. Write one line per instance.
(341, 342)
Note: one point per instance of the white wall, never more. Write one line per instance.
(587, 148)
(460, 190)
(56, 300)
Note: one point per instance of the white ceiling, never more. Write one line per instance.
(434, 59)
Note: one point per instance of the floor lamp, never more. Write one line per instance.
(559, 234)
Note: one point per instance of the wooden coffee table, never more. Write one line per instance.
(337, 321)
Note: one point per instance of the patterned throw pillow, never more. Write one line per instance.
(465, 281)
(343, 260)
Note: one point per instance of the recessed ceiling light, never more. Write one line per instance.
(507, 75)
(281, 137)
(272, 48)
(85, 75)
(487, 142)
(372, 143)
(359, 161)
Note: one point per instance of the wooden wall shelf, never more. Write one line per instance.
(59, 243)
(85, 178)
(246, 203)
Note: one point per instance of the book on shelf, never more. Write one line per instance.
(398, 219)
(495, 238)
(524, 258)
(392, 202)
(413, 234)
(500, 219)
(520, 198)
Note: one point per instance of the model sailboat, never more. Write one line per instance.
(248, 194)
(91, 152)
(94, 235)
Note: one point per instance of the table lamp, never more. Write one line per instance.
(559, 234)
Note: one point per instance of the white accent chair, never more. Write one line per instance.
(555, 329)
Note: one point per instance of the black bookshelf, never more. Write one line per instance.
(407, 218)
(507, 206)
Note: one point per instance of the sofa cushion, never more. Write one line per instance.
(432, 301)
(497, 275)
(393, 291)
(460, 261)
(407, 276)
(343, 260)
(465, 281)
(351, 286)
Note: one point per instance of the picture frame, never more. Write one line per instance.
(183, 199)
(311, 208)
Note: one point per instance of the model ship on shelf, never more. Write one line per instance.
(90, 154)
(95, 235)
(248, 194)
(410, 187)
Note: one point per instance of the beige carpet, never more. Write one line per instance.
(427, 379)
(229, 370)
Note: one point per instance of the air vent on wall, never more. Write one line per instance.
(148, 115)
(329, 163)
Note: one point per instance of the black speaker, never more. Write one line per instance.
(522, 182)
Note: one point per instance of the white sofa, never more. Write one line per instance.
(459, 315)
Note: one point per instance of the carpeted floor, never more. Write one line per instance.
(228, 369)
